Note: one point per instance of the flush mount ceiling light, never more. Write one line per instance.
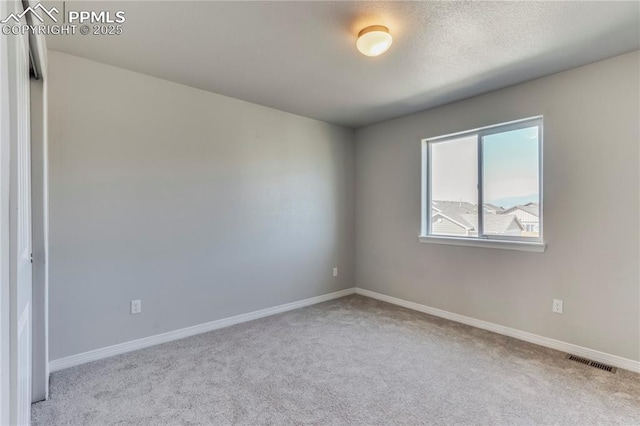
(374, 40)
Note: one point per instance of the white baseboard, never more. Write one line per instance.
(134, 345)
(613, 360)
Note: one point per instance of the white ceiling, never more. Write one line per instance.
(300, 56)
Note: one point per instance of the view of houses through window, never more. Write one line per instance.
(508, 183)
(460, 218)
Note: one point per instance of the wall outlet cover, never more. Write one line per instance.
(557, 307)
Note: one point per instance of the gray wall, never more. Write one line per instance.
(591, 212)
(201, 205)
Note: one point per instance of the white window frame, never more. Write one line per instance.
(482, 240)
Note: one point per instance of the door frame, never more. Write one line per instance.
(10, 109)
(5, 189)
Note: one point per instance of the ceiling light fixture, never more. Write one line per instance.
(374, 40)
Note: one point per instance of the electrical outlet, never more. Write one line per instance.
(557, 306)
(335, 271)
(136, 306)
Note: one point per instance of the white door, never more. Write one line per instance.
(5, 277)
(20, 228)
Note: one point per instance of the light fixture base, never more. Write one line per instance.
(371, 28)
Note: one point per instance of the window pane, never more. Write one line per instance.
(454, 193)
(511, 193)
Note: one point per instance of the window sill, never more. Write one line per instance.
(476, 242)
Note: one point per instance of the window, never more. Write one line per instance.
(497, 167)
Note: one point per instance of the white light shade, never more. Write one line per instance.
(374, 40)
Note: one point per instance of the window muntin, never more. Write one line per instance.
(498, 167)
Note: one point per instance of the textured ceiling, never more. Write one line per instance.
(300, 56)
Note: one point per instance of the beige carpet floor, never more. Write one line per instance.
(352, 361)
